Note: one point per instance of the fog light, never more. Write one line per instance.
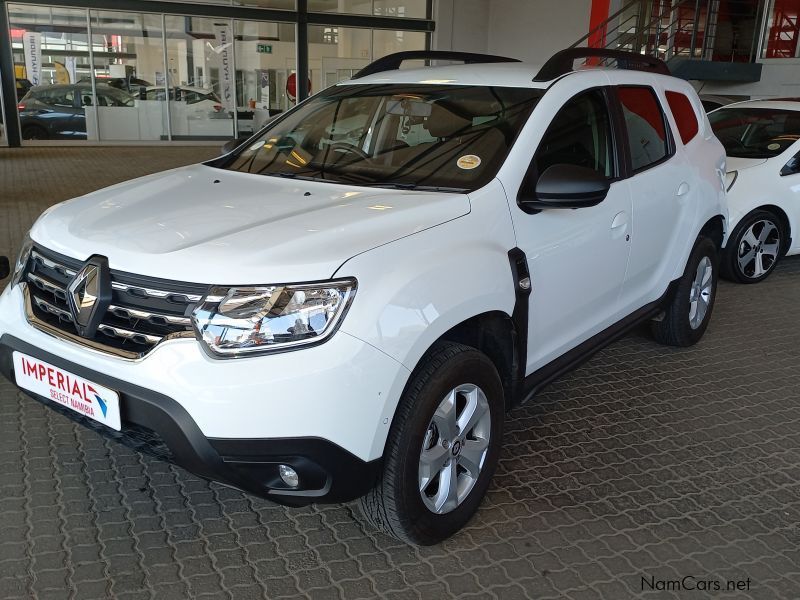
(289, 475)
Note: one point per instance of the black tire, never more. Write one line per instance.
(676, 327)
(739, 246)
(34, 132)
(395, 505)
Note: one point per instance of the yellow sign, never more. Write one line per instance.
(62, 75)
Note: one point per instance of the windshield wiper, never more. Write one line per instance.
(413, 186)
(287, 175)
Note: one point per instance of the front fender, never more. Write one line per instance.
(755, 188)
(415, 289)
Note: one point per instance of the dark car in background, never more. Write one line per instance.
(23, 87)
(53, 112)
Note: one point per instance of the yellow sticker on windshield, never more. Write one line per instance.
(773, 146)
(469, 162)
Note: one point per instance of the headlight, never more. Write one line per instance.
(244, 321)
(22, 260)
(730, 179)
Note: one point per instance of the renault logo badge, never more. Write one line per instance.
(89, 295)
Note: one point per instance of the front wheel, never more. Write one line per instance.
(442, 449)
(754, 248)
(34, 132)
(688, 313)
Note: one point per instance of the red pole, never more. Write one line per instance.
(599, 13)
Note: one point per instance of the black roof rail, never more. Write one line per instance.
(392, 62)
(562, 62)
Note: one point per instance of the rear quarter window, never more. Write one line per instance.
(684, 114)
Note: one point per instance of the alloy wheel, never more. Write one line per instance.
(700, 292)
(454, 448)
(759, 249)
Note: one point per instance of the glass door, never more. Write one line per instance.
(200, 77)
(130, 95)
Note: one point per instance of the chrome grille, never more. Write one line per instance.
(143, 312)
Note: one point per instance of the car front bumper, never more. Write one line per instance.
(323, 411)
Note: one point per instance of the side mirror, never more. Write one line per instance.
(568, 186)
(5, 267)
(792, 167)
(235, 143)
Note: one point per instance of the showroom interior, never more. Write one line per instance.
(629, 469)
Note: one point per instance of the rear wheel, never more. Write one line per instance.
(34, 132)
(754, 248)
(442, 449)
(688, 313)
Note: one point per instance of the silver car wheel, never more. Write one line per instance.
(759, 248)
(454, 448)
(700, 292)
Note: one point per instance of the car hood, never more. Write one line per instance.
(206, 225)
(738, 164)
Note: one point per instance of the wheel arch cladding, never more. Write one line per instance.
(406, 309)
(714, 229)
(493, 334)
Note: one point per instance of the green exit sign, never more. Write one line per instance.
(264, 48)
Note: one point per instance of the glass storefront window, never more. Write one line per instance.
(417, 9)
(265, 60)
(103, 75)
(783, 30)
(51, 64)
(279, 4)
(386, 42)
(336, 54)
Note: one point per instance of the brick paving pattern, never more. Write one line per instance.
(646, 462)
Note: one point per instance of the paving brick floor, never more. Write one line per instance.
(647, 462)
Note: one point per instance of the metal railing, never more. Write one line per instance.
(682, 28)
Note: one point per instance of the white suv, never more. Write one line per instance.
(347, 305)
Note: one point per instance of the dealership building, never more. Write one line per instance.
(399, 299)
(210, 70)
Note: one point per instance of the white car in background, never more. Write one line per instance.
(762, 141)
(197, 99)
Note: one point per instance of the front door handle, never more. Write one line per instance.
(619, 226)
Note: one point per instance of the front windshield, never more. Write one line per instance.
(755, 132)
(415, 136)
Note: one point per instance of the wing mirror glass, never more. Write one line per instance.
(5, 267)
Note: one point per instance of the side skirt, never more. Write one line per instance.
(538, 380)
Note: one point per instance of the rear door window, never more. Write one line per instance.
(646, 128)
(684, 114)
(59, 97)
